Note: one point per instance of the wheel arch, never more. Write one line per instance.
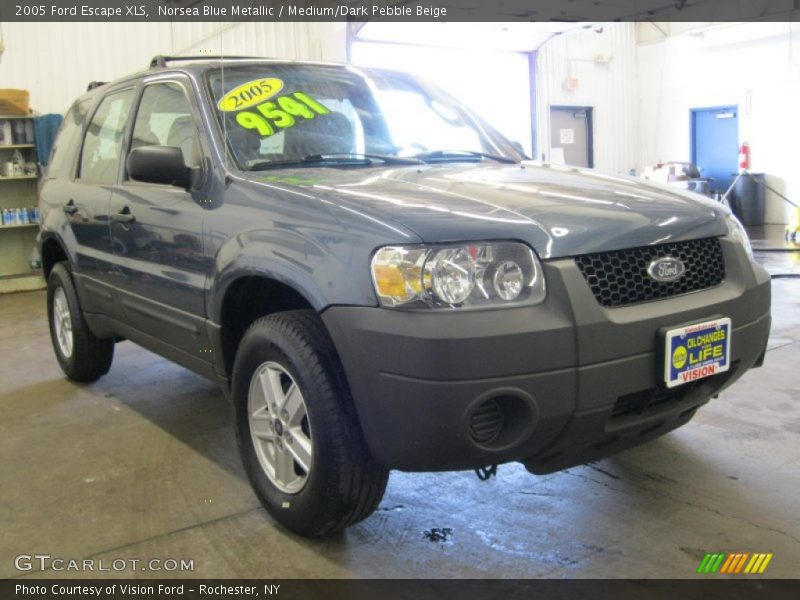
(53, 251)
(248, 297)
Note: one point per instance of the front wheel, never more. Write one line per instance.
(82, 355)
(299, 437)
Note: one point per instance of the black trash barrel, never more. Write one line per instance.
(749, 196)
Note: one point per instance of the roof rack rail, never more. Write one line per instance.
(94, 84)
(161, 61)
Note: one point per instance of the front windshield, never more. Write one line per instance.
(284, 113)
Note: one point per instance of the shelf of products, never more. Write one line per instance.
(19, 216)
(20, 263)
(15, 226)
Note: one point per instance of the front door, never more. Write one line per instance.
(156, 232)
(715, 144)
(571, 136)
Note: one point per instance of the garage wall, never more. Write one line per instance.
(55, 61)
(754, 65)
(604, 65)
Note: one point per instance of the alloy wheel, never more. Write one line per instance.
(62, 322)
(279, 427)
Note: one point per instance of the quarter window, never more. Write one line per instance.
(102, 145)
(68, 138)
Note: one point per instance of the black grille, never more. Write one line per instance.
(619, 277)
(639, 403)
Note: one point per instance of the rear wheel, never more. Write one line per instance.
(82, 355)
(299, 437)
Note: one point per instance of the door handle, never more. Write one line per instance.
(70, 207)
(123, 216)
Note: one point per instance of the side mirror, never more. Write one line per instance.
(159, 164)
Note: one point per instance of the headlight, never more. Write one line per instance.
(451, 274)
(480, 275)
(738, 233)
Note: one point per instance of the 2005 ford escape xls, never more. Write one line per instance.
(379, 280)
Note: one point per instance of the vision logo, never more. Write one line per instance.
(734, 563)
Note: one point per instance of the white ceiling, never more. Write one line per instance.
(533, 23)
(510, 37)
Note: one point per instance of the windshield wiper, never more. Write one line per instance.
(360, 159)
(393, 160)
(447, 155)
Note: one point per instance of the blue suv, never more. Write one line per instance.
(379, 280)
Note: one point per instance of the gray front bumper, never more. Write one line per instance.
(416, 376)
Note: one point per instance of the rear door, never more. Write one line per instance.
(85, 198)
(156, 231)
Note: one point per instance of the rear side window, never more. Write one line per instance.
(165, 118)
(102, 145)
(67, 140)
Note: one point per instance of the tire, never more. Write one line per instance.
(342, 484)
(88, 357)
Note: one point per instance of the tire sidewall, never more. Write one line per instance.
(302, 510)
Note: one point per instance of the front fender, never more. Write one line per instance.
(303, 264)
(276, 229)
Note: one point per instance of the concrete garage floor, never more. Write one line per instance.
(143, 464)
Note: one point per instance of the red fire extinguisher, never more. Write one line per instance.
(744, 157)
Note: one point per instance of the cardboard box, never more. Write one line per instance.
(14, 102)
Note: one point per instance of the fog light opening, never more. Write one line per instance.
(486, 422)
(501, 421)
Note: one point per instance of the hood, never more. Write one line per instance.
(559, 211)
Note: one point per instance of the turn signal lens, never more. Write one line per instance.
(397, 274)
(475, 275)
(738, 233)
(390, 282)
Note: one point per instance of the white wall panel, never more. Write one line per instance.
(753, 65)
(55, 61)
(608, 87)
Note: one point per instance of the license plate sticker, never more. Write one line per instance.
(697, 351)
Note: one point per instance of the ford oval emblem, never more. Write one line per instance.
(666, 269)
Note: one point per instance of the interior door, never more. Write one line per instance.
(715, 144)
(571, 136)
(156, 231)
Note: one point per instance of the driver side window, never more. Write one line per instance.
(165, 118)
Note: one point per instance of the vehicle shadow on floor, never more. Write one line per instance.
(189, 408)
